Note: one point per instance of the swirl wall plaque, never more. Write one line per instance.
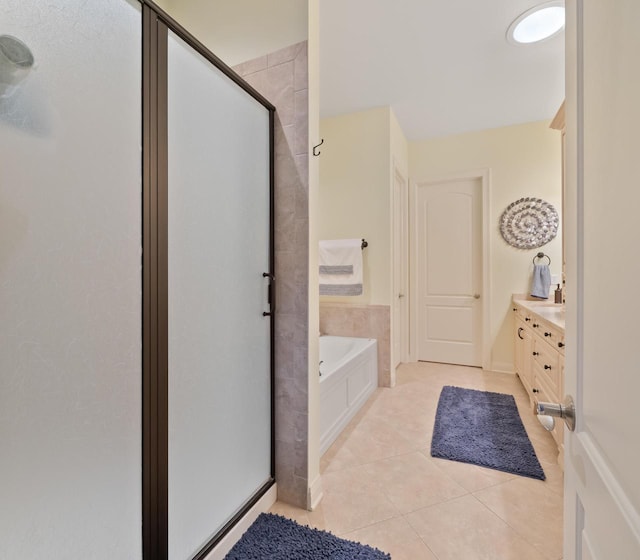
(528, 223)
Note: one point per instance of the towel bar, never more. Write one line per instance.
(541, 255)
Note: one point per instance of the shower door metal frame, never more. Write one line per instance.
(155, 444)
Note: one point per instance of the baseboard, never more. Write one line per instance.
(315, 494)
(502, 367)
(233, 536)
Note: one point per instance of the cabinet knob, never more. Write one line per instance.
(536, 390)
(535, 325)
(515, 309)
(546, 366)
(547, 334)
(536, 353)
(527, 319)
(560, 344)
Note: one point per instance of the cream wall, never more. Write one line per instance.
(399, 146)
(354, 194)
(240, 30)
(525, 160)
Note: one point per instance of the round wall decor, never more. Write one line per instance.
(528, 223)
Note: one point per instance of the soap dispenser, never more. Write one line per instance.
(558, 295)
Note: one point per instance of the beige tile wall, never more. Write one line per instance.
(282, 78)
(366, 321)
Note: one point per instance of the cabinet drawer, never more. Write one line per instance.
(552, 335)
(537, 325)
(559, 343)
(558, 430)
(546, 365)
(548, 382)
(523, 314)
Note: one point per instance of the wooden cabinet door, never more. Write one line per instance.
(523, 345)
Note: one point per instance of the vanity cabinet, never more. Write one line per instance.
(539, 357)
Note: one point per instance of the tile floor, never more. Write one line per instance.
(383, 488)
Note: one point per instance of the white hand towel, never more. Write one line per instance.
(340, 263)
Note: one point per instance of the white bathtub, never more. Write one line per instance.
(348, 377)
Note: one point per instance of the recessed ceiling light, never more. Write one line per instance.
(537, 24)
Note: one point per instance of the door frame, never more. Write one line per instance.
(484, 175)
(405, 343)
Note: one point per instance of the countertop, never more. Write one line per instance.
(546, 309)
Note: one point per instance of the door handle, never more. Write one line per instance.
(400, 296)
(271, 294)
(476, 296)
(565, 410)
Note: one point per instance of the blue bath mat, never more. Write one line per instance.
(276, 538)
(485, 429)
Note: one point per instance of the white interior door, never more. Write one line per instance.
(602, 493)
(449, 262)
(400, 268)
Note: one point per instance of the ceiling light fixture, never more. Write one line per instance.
(537, 24)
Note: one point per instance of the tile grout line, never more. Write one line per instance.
(523, 537)
(420, 537)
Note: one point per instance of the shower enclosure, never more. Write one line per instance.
(136, 282)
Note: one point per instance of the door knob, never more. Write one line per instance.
(476, 296)
(565, 410)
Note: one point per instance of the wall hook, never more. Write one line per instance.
(316, 147)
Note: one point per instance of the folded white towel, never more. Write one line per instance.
(340, 263)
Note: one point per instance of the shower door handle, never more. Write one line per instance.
(271, 294)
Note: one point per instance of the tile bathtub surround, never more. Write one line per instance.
(362, 321)
(383, 488)
(281, 77)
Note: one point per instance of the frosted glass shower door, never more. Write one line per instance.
(219, 351)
